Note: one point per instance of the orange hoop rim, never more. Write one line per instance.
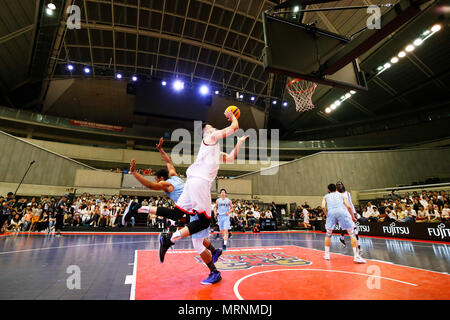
(302, 91)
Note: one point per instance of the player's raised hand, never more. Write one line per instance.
(159, 145)
(229, 115)
(133, 166)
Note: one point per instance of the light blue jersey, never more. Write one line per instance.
(337, 212)
(223, 206)
(178, 186)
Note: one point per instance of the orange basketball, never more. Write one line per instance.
(235, 110)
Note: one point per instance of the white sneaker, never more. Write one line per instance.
(358, 259)
(326, 256)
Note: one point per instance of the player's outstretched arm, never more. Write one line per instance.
(227, 158)
(228, 131)
(166, 158)
(162, 185)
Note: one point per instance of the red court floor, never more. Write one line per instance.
(281, 273)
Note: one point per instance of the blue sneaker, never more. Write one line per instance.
(130, 212)
(164, 245)
(213, 277)
(216, 255)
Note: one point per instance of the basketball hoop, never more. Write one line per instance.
(302, 91)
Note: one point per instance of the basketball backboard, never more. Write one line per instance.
(307, 52)
(300, 51)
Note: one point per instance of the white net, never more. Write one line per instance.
(302, 91)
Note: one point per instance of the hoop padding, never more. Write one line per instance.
(302, 91)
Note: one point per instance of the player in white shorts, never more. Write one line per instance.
(195, 199)
(341, 189)
(337, 209)
(305, 222)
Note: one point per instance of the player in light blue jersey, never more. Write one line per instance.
(337, 209)
(222, 211)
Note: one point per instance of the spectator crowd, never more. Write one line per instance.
(428, 206)
(39, 214)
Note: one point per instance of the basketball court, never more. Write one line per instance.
(265, 266)
(352, 90)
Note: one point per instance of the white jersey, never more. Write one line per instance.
(206, 165)
(348, 197)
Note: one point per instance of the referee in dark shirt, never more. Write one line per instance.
(60, 210)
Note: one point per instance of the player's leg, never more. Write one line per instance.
(329, 224)
(226, 227)
(342, 239)
(214, 275)
(216, 253)
(327, 244)
(357, 258)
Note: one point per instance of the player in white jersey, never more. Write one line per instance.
(341, 189)
(168, 181)
(195, 199)
(305, 214)
(337, 209)
(222, 211)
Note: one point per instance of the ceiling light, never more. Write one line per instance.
(285, 104)
(380, 68)
(417, 42)
(327, 110)
(409, 48)
(436, 28)
(204, 90)
(241, 96)
(87, 70)
(134, 78)
(387, 65)
(216, 92)
(178, 85)
(337, 103)
(352, 91)
(333, 107)
(118, 76)
(401, 54)
(348, 95)
(51, 6)
(252, 98)
(69, 67)
(49, 12)
(163, 83)
(394, 60)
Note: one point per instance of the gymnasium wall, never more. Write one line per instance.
(123, 156)
(309, 176)
(50, 169)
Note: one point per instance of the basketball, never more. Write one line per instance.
(235, 110)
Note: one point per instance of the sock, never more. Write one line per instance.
(176, 236)
(327, 250)
(355, 246)
(212, 267)
(211, 248)
(225, 242)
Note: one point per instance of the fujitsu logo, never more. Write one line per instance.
(362, 228)
(393, 229)
(440, 231)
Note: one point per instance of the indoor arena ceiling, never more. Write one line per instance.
(219, 41)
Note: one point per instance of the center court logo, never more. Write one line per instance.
(247, 261)
(441, 231)
(392, 229)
